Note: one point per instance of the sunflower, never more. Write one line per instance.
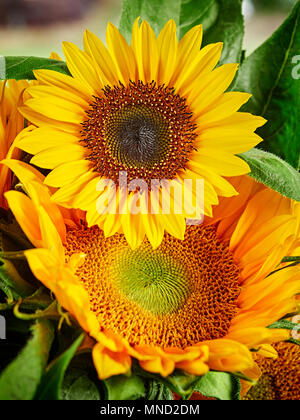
(278, 379)
(154, 110)
(198, 304)
(276, 374)
(11, 124)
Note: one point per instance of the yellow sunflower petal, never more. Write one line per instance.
(55, 156)
(195, 67)
(67, 173)
(65, 286)
(122, 55)
(23, 171)
(110, 363)
(145, 47)
(224, 107)
(229, 356)
(211, 87)
(167, 47)
(81, 67)
(36, 92)
(50, 236)
(189, 46)
(253, 337)
(66, 193)
(65, 82)
(26, 215)
(101, 58)
(43, 121)
(32, 143)
(57, 109)
(231, 141)
(234, 165)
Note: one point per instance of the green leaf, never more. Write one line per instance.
(291, 259)
(12, 284)
(273, 172)
(20, 68)
(182, 383)
(225, 24)
(219, 385)
(272, 75)
(222, 20)
(157, 391)
(51, 383)
(17, 333)
(283, 325)
(156, 12)
(124, 387)
(77, 386)
(20, 379)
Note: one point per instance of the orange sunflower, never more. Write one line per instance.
(198, 304)
(11, 124)
(154, 110)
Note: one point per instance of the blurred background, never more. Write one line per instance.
(37, 27)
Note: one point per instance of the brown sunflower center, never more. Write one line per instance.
(143, 129)
(280, 380)
(183, 293)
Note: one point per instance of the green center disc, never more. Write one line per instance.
(156, 282)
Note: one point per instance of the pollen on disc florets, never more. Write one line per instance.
(178, 295)
(143, 129)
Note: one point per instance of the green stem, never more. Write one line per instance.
(53, 311)
(13, 255)
(50, 312)
(5, 306)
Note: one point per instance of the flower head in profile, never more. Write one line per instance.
(278, 379)
(198, 304)
(156, 109)
(11, 124)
